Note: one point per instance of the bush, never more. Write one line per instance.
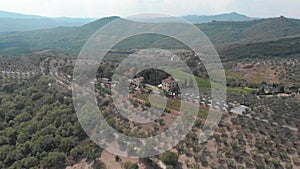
(129, 165)
(148, 104)
(169, 158)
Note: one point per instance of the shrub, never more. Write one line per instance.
(169, 158)
(130, 165)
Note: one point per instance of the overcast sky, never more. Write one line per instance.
(100, 8)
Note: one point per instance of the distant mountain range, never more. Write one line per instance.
(11, 22)
(196, 19)
(233, 39)
(12, 15)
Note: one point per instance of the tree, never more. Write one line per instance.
(66, 144)
(130, 165)
(30, 162)
(54, 159)
(12, 135)
(22, 117)
(48, 99)
(77, 152)
(148, 104)
(169, 158)
(117, 158)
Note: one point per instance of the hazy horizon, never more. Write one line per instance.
(99, 9)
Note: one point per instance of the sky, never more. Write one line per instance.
(123, 8)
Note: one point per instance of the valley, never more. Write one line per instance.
(260, 121)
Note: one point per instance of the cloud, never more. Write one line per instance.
(100, 8)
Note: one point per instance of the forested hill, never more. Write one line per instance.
(223, 34)
(61, 39)
(233, 16)
(12, 22)
(251, 31)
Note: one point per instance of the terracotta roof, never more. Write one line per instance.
(169, 80)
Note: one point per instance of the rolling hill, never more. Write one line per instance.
(13, 15)
(11, 22)
(198, 19)
(250, 31)
(61, 39)
(233, 39)
(282, 47)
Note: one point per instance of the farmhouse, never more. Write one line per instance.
(170, 86)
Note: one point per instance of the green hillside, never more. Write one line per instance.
(61, 39)
(282, 47)
(230, 38)
(201, 82)
(250, 31)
